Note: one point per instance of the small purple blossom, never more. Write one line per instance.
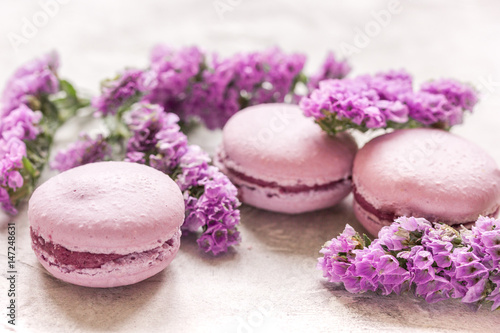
(12, 152)
(34, 79)
(330, 69)
(118, 92)
(436, 262)
(85, 150)
(170, 75)
(430, 109)
(338, 254)
(455, 92)
(21, 123)
(156, 137)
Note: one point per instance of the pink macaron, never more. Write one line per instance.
(425, 173)
(282, 161)
(106, 224)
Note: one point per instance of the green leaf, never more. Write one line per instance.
(28, 166)
(367, 240)
(68, 88)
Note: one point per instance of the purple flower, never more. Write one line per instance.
(219, 198)
(218, 238)
(214, 209)
(119, 92)
(34, 79)
(156, 137)
(429, 109)
(330, 69)
(434, 290)
(390, 85)
(393, 237)
(494, 296)
(194, 165)
(12, 152)
(423, 260)
(455, 92)
(85, 150)
(17, 126)
(21, 123)
(364, 101)
(170, 74)
(338, 255)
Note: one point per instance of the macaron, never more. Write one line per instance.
(282, 161)
(106, 224)
(427, 173)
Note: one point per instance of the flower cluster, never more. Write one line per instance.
(195, 85)
(211, 201)
(122, 90)
(171, 74)
(30, 82)
(156, 139)
(387, 100)
(330, 69)
(19, 124)
(436, 262)
(442, 101)
(85, 150)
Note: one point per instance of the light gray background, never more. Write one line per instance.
(269, 282)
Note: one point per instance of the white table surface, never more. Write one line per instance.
(268, 283)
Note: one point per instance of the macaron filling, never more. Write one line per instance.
(292, 189)
(74, 260)
(385, 215)
(288, 189)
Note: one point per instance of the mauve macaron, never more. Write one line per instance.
(106, 224)
(282, 161)
(427, 173)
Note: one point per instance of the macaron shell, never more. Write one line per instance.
(107, 207)
(114, 274)
(277, 143)
(370, 222)
(429, 173)
(292, 203)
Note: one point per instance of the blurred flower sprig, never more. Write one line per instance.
(34, 104)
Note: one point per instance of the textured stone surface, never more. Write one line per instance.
(269, 283)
